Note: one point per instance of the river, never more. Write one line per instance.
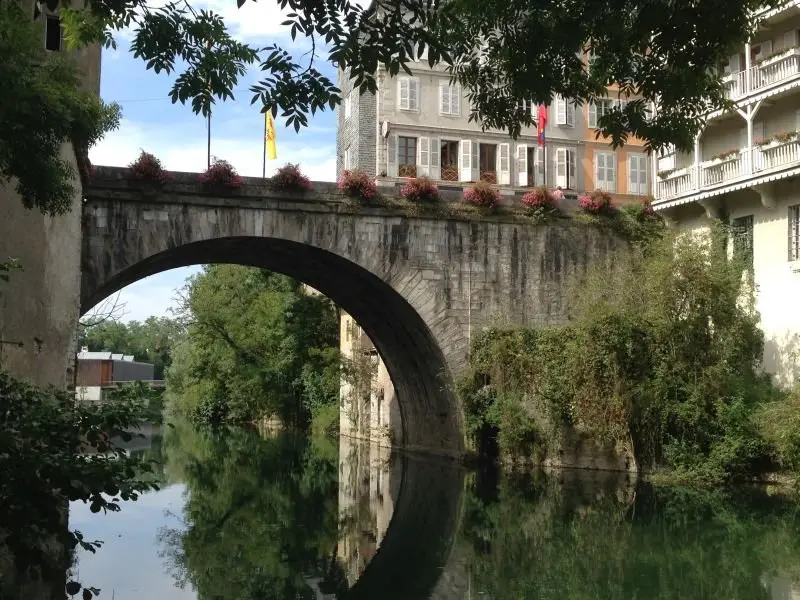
(282, 516)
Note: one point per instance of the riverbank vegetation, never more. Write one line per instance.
(661, 357)
(52, 452)
(258, 345)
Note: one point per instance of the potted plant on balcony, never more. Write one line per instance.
(290, 178)
(482, 195)
(597, 203)
(220, 176)
(148, 169)
(725, 156)
(420, 190)
(541, 203)
(357, 185)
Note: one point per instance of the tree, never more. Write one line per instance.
(42, 108)
(502, 52)
(256, 345)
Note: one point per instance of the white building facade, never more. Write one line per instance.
(745, 170)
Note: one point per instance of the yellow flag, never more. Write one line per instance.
(272, 149)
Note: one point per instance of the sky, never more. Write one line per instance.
(177, 136)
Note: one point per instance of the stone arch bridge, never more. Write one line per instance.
(418, 285)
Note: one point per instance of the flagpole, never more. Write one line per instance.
(264, 150)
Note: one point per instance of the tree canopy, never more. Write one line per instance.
(41, 108)
(502, 53)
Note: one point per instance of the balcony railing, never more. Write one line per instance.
(489, 176)
(760, 77)
(450, 173)
(735, 168)
(677, 183)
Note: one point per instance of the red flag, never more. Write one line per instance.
(541, 123)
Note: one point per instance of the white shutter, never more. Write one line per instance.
(504, 164)
(403, 93)
(611, 172)
(561, 111)
(571, 170)
(561, 167)
(522, 165)
(637, 174)
(413, 94)
(455, 100)
(391, 160)
(465, 160)
(593, 115)
(570, 114)
(444, 98)
(423, 156)
(476, 163)
(436, 152)
(540, 170)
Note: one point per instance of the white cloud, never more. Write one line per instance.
(183, 148)
(154, 295)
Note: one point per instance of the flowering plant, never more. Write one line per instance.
(597, 202)
(482, 194)
(290, 177)
(358, 184)
(220, 173)
(647, 206)
(421, 189)
(148, 168)
(541, 197)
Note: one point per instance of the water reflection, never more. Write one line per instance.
(244, 515)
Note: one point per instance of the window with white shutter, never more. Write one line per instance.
(598, 109)
(564, 164)
(391, 156)
(423, 157)
(408, 93)
(637, 174)
(522, 165)
(449, 99)
(504, 164)
(605, 172)
(436, 150)
(540, 166)
(561, 111)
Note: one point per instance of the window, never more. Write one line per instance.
(794, 232)
(637, 174)
(348, 106)
(487, 161)
(742, 234)
(449, 99)
(565, 168)
(565, 112)
(407, 156)
(348, 164)
(605, 173)
(599, 109)
(52, 37)
(408, 93)
(449, 157)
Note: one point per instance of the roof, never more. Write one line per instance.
(85, 355)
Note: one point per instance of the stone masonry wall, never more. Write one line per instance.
(419, 287)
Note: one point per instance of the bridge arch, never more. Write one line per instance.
(419, 285)
(430, 413)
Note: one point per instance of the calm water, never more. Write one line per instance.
(245, 516)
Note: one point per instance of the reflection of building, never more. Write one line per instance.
(99, 371)
(369, 483)
(369, 406)
(418, 124)
(744, 169)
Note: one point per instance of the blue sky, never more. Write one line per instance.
(178, 137)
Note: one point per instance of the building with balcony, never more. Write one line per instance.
(419, 125)
(744, 170)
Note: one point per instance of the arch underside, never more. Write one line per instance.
(431, 418)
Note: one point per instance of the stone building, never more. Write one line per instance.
(744, 170)
(419, 124)
(37, 333)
